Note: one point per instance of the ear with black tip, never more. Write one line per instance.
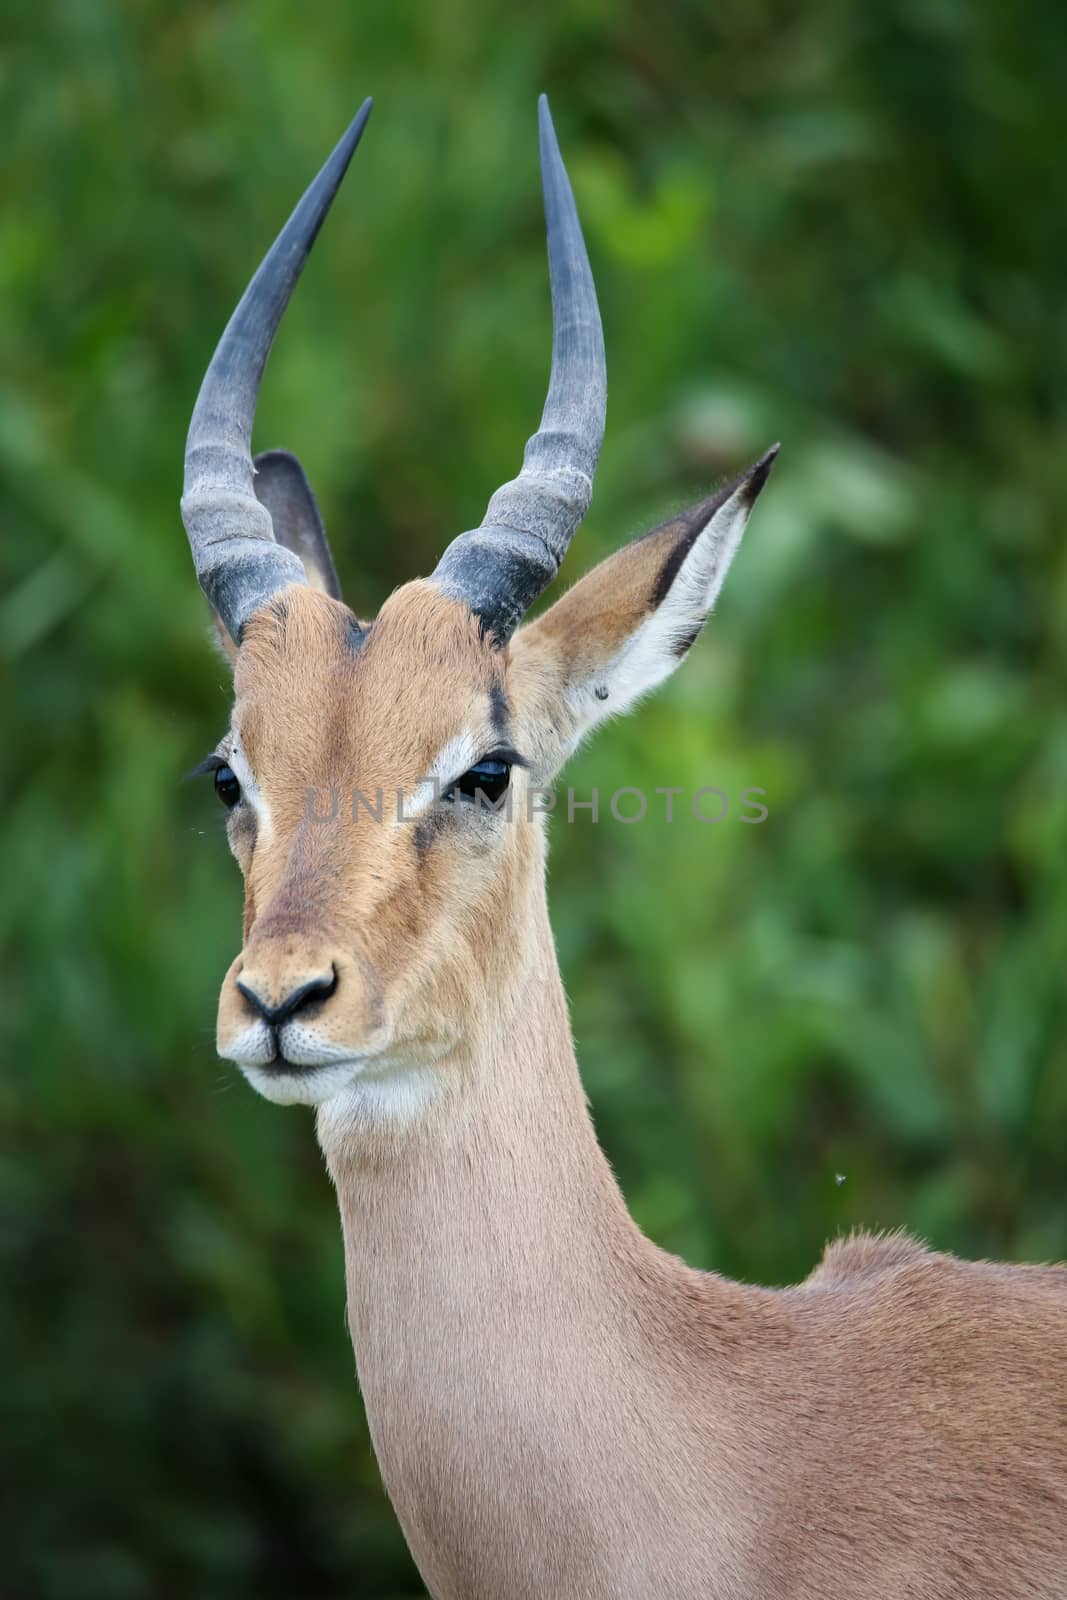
(282, 488)
(626, 626)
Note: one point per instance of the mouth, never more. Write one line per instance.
(292, 1053)
(282, 1064)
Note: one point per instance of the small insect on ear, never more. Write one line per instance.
(281, 486)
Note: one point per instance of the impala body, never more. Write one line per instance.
(558, 1407)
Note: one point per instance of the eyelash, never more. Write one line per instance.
(209, 765)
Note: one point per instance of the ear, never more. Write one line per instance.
(281, 486)
(627, 624)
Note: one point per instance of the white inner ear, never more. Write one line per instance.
(654, 649)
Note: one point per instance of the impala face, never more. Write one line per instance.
(374, 913)
(377, 775)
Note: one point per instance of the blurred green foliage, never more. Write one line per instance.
(837, 224)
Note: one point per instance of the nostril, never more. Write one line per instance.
(319, 988)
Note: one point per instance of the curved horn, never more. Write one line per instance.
(501, 567)
(237, 561)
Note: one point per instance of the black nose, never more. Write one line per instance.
(315, 989)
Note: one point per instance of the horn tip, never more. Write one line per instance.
(358, 123)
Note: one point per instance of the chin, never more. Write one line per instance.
(301, 1086)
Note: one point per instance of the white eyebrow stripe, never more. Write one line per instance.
(236, 758)
(450, 763)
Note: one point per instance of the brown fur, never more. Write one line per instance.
(559, 1408)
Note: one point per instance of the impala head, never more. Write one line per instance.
(379, 775)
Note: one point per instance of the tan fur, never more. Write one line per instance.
(317, 718)
(559, 1408)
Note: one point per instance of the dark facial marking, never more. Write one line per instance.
(499, 710)
(425, 831)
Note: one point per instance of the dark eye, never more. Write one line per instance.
(489, 778)
(227, 787)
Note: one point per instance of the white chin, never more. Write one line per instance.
(303, 1086)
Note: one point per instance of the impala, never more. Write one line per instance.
(558, 1407)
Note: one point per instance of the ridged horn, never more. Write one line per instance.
(237, 561)
(501, 567)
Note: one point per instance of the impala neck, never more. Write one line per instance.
(501, 1162)
(496, 1287)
